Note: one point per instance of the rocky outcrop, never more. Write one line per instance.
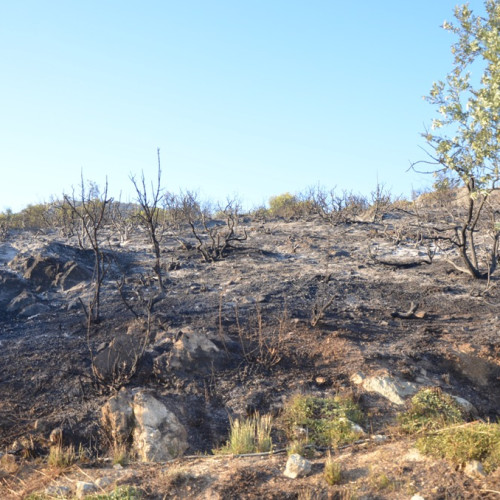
(142, 420)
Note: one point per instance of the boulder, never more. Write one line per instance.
(10, 287)
(122, 357)
(297, 466)
(83, 489)
(195, 352)
(71, 275)
(391, 388)
(21, 301)
(153, 431)
(158, 434)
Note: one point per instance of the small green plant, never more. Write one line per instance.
(383, 482)
(332, 471)
(250, 435)
(430, 409)
(327, 421)
(460, 444)
(60, 456)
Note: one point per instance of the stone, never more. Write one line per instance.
(195, 352)
(123, 354)
(118, 416)
(18, 303)
(297, 466)
(474, 469)
(103, 482)
(158, 435)
(467, 407)
(58, 491)
(417, 497)
(154, 432)
(84, 488)
(10, 287)
(354, 427)
(391, 388)
(72, 274)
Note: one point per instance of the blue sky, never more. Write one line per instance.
(246, 97)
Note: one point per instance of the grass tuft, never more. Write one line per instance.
(332, 471)
(250, 435)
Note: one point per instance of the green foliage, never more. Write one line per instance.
(430, 409)
(475, 441)
(250, 435)
(119, 493)
(327, 421)
(288, 205)
(470, 112)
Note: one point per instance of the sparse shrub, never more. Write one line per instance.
(475, 441)
(60, 456)
(430, 409)
(327, 421)
(383, 482)
(250, 435)
(119, 493)
(332, 471)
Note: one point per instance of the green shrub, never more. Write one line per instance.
(474, 441)
(327, 421)
(430, 409)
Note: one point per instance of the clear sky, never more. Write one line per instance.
(247, 97)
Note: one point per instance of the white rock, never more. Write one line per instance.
(417, 497)
(103, 482)
(391, 388)
(158, 435)
(474, 469)
(354, 427)
(466, 406)
(297, 466)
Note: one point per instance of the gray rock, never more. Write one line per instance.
(297, 466)
(195, 352)
(118, 416)
(24, 299)
(84, 488)
(58, 491)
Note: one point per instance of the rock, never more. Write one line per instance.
(391, 388)
(468, 408)
(414, 455)
(158, 434)
(195, 352)
(41, 270)
(34, 310)
(123, 356)
(354, 427)
(417, 497)
(84, 488)
(23, 300)
(118, 416)
(474, 469)
(58, 491)
(297, 466)
(152, 430)
(10, 287)
(71, 275)
(103, 482)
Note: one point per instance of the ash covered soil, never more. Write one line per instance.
(254, 307)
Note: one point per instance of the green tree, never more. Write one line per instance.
(464, 138)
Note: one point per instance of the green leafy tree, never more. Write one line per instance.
(465, 139)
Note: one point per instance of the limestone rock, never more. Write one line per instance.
(391, 388)
(158, 434)
(140, 419)
(297, 466)
(467, 407)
